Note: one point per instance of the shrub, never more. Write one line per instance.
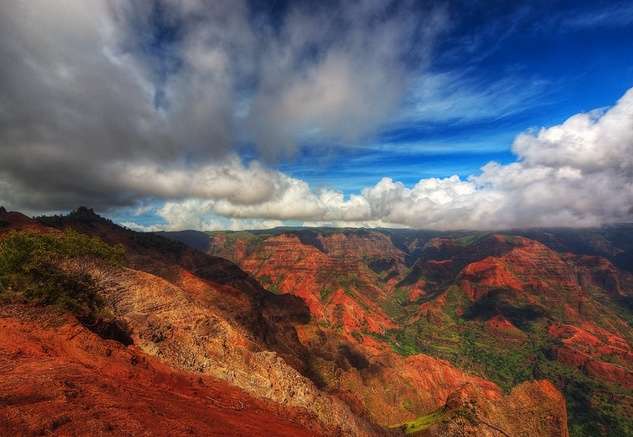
(29, 270)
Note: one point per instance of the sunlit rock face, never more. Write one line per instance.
(356, 332)
(550, 303)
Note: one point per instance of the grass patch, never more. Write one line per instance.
(421, 423)
(325, 293)
(271, 285)
(397, 306)
(595, 407)
(467, 240)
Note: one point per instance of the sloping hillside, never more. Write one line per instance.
(510, 307)
(57, 377)
(173, 309)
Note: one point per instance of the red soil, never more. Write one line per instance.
(292, 266)
(356, 318)
(503, 328)
(586, 347)
(305, 271)
(537, 274)
(57, 377)
(11, 221)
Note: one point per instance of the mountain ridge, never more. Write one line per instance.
(367, 334)
(460, 295)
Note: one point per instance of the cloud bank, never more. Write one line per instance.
(118, 103)
(96, 95)
(578, 173)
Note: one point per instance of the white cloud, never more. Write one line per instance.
(595, 141)
(614, 15)
(579, 173)
(198, 214)
(141, 227)
(95, 111)
(94, 102)
(459, 97)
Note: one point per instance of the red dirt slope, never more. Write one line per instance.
(12, 220)
(58, 377)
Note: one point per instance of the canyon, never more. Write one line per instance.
(315, 331)
(508, 307)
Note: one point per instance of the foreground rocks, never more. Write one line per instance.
(56, 377)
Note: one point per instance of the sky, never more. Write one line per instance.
(193, 114)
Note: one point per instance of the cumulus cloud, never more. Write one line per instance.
(595, 141)
(578, 173)
(324, 83)
(194, 214)
(97, 96)
(115, 103)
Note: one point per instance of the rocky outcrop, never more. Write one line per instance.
(527, 266)
(346, 278)
(596, 351)
(467, 413)
(505, 286)
(187, 333)
(330, 277)
(58, 378)
(16, 221)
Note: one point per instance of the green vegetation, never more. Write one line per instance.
(382, 267)
(265, 280)
(508, 363)
(398, 306)
(608, 304)
(469, 239)
(421, 423)
(349, 281)
(326, 293)
(358, 336)
(271, 285)
(231, 238)
(30, 270)
(595, 407)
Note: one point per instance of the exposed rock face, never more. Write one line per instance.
(217, 321)
(186, 331)
(557, 283)
(14, 221)
(527, 266)
(344, 278)
(410, 290)
(467, 413)
(56, 377)
(353, 332)
(323, 274)
(588, 347)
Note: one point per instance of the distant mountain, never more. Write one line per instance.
(512, 306)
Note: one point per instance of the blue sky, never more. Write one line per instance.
(555, 59)
(562, 69)
(201, 114)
